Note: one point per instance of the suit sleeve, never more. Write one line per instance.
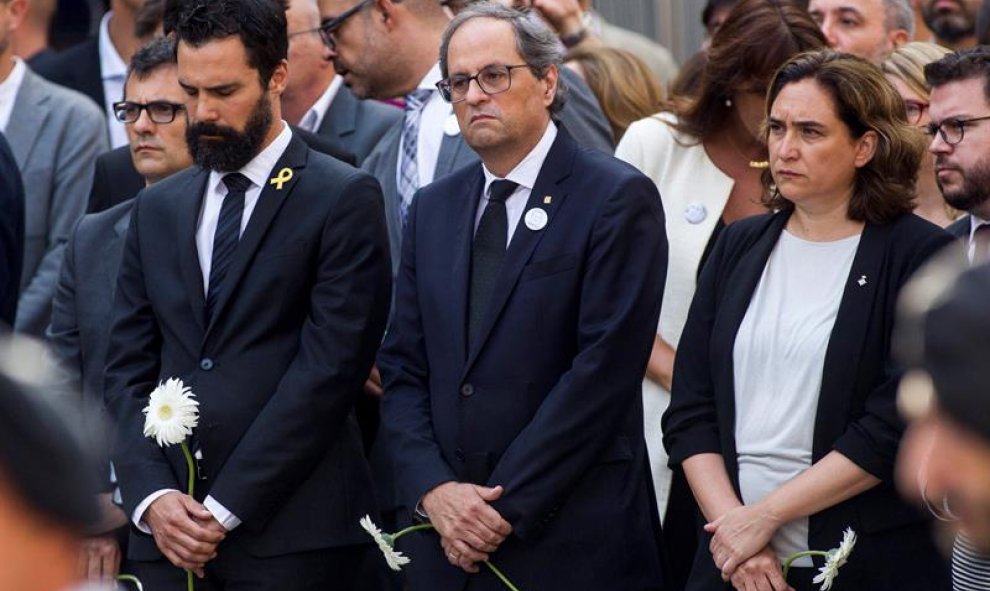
(871, 441)
(63, 332)
(83, 139)
(406, 414)
(625, 269)
(133, 369)
(348, 309)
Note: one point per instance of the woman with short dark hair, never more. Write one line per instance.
(782, 412)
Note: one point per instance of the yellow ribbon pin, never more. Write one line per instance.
(284, 176)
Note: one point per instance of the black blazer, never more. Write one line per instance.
(961, 227)
(278, 368)
(116, 180)
(78, 68)
(547, 401)
(856, 414)
(11, 233)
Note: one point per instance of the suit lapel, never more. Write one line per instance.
(269, 203)
(341, 117)
(31, 109)
(848, 337)
(463, 219)
(550, 182)
(187, 217)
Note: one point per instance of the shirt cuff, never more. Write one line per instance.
(138, 516)
(227, 519)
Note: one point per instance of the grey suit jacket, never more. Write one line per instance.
(581, 115)
(81, 310)
(960, 228)
(357, 125)
(55, 135)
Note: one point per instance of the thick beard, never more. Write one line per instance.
(975, 189)
(235, 149)
(951, 28)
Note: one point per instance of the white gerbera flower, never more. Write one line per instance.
(835, 559)
(394, 558)
(172, 413)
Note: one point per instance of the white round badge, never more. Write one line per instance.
(450, 126)
(695, 213)
(536, 219)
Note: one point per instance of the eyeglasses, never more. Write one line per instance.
(915, 110)
(952, 130)
(158, 111)
(328, 28)
(492, 79)
(307, 32)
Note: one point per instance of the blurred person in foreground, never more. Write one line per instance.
(707, 158)
(782, 413)
(870, 29)
(625, 88)
(905, 69)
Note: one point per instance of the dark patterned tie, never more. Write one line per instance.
(487, 254)
(227, 236)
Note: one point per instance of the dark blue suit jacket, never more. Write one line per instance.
(857, 414)
(547, 402)
(11, 233)
(279, 366)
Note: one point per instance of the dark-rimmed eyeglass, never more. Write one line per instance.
(328, 28)
(952, 130)
(318, 30)
(493, 79)
(158, 111)
(915, 110)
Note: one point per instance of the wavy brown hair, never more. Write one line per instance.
(864, 101)
(755, 40)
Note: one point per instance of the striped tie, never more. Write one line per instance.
(408, 180)
(227, 235)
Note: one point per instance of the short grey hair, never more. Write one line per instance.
(535, 41)
(899, 16)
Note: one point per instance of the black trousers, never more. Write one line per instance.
(234, 569)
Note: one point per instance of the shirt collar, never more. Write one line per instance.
(431, 78)
(974, 223)
(260, 167)
(10, 86)
(526, 172)
(314, 116)
(111, 64)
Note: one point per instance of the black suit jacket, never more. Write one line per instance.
(547, 401)
(78, 68)
(357, 125)
(856, 415)
(116, 180)
(277, 370)
(11, 233)
(961, 227)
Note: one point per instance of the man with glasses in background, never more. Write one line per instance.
(155, 120)
(528, 290)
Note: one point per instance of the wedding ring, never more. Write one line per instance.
(451, 555)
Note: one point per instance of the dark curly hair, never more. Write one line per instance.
(961, 65)
(260, 25)
(864, 101)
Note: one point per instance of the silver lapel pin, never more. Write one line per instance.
(862, 280)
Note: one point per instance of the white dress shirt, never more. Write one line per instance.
(313, 118)
(524, 174)
(431, 125)
(258, 171)
(974, 223)
(8, 91)
(113, 70)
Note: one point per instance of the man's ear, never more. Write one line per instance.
(551, 80)
(276, 85)
(898, 37)
(387, 13)
(17, 11)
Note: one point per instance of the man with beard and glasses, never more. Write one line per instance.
(959, 107)
(261, 278)
(952, 22)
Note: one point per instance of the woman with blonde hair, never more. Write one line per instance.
(905, 69)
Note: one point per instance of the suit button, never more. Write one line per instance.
(206, 364)
(459, 454)
(467, 390)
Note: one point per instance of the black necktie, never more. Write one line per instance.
(487, 253)
(227, 236)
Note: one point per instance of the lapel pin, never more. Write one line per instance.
(284, 176)
(862, 280)
(547, 200)
(695, 213)
(536, 219)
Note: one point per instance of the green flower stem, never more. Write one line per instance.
(796, 555)
(131, 579)
(412, 529)
(501, 576)
(191, 483)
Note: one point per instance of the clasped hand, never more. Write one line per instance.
(185, 531)
(738, 535)
(470, 529)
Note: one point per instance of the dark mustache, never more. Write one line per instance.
(200, 129)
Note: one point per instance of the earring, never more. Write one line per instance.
(728, 102)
